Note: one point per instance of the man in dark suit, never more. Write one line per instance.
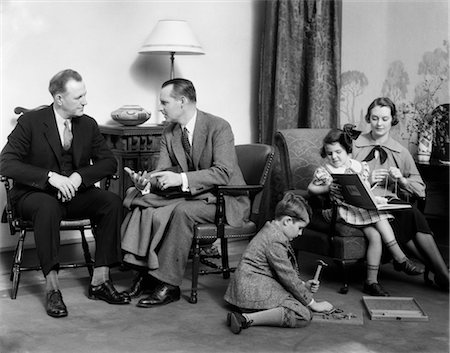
(55, 155)
(197, 152)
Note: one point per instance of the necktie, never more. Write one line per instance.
(187, 148)
(381, 151)
(67, 135)
(185, 141)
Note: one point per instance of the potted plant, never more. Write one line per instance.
(422, 118)
(441, 132)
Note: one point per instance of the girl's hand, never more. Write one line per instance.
(335, 191)
(312, 285)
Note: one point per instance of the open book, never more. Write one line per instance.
(357, 193)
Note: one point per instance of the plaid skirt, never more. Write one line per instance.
(356, 216)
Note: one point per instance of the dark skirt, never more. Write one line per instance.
(409, 222)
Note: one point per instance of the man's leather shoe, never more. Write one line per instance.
(409, 267)
(143, 283)
(108, 293)
(55, 304)
(375, 289)
(161, 295)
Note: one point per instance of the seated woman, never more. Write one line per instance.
(394, 172)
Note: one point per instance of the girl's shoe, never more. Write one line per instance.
(375, 290)
(409, 267)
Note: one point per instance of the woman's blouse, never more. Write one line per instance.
(397, 156)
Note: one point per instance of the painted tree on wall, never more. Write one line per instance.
(395, 86)
(353, 84)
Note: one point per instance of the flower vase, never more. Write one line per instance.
(425, 145)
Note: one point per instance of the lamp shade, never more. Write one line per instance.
(172, 36)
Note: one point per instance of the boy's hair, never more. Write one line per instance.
(294, 206)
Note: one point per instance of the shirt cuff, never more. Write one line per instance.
(184, 183)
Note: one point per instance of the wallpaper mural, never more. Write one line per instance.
(422, 108)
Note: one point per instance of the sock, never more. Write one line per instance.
(396, 252)
(100, 275)
(372, 274)
(51, 281)
(269, 317)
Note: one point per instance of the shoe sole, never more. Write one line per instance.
(235, 325)
(140, 305)
(93, 297)
(57, 315)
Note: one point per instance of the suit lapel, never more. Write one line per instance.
(199, 138)
(52, 135)
(77, 142)
(178, 149)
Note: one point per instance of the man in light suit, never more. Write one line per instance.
(55, 155)
(205, 159)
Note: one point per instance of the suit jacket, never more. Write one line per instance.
(34, 148)
(214, 158)
(267, 273)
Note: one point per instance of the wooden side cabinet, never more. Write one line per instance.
(136, 147)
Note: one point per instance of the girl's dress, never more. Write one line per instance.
(352, 215)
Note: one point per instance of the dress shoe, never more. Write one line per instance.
(442, 282)
(161, 295)
(55, 304)
(409, 267)
(237, 322)
(143, 283)
(108, 293)
(375, 289)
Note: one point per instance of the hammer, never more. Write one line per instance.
(320, 265)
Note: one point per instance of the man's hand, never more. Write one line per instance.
(139, 179)
(65, 186)
(167, 179)
(321, 307)
(312, 285)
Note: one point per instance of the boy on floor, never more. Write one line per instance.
(266, 287)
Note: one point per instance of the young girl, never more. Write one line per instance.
(266, 287)
(337, 145)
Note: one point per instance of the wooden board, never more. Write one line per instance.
(394, 308)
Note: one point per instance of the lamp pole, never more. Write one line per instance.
(172, 59)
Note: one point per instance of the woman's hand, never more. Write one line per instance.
(378, 176)
(312, 285)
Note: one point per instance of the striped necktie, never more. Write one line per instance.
(67, 136)
(187, 148)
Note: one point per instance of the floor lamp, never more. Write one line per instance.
(172, 37)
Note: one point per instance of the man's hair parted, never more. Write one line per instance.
(58, 82)
(182, 87)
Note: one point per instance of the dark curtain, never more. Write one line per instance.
(300, 71)
(300, 66)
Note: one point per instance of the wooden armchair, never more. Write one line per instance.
(300, 156)
(255, 161)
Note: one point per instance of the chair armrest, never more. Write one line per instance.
(237, 190)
